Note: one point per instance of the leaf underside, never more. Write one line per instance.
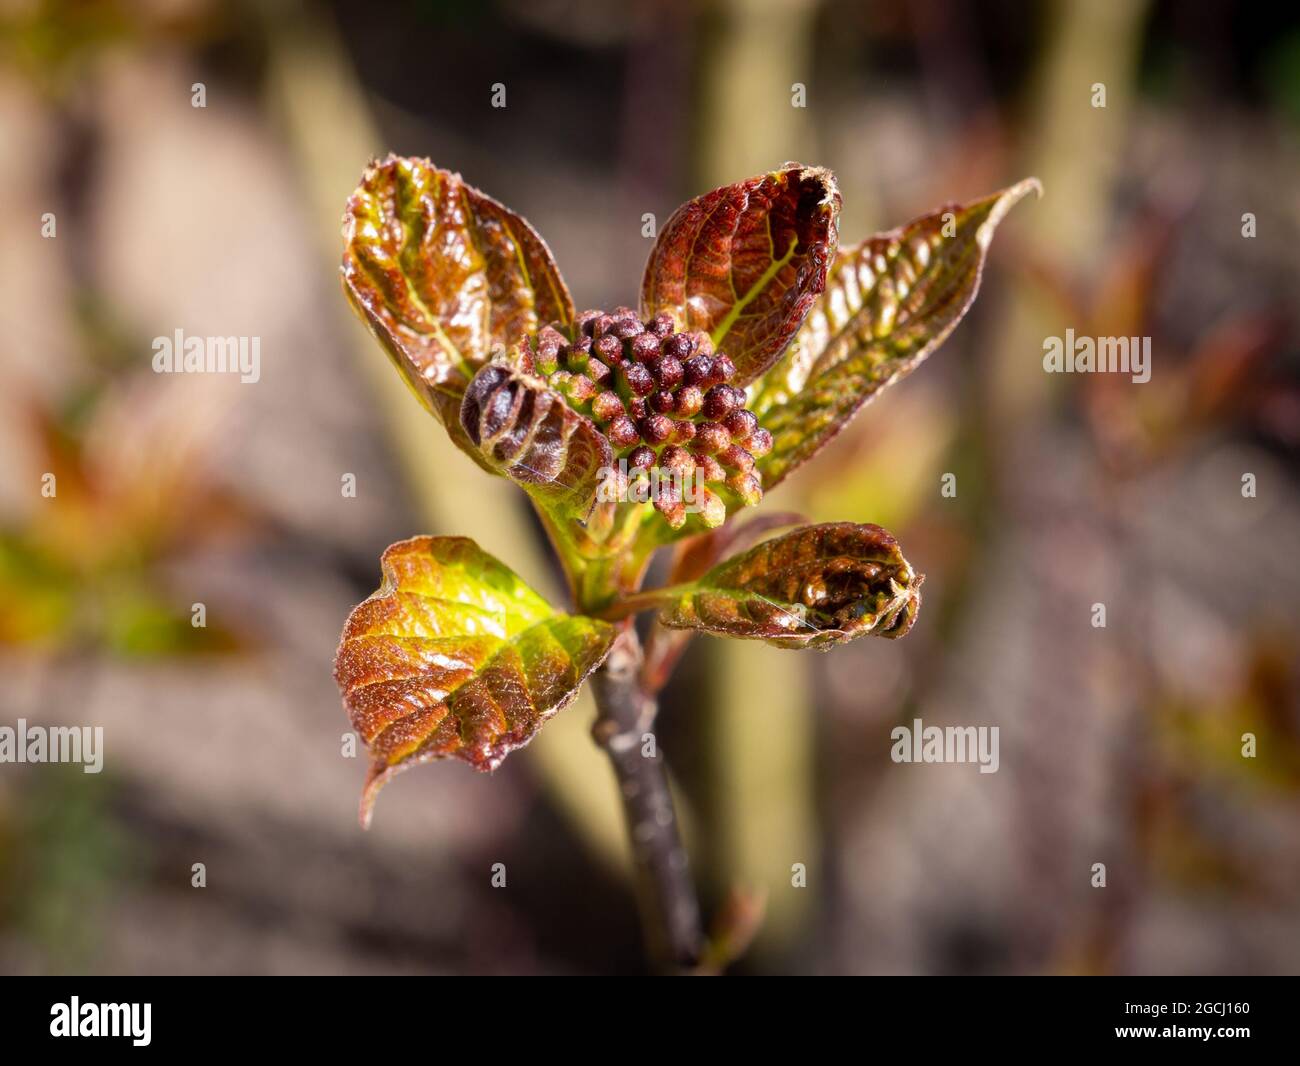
(813, 587)
(745, 262)
(889, 302)
(444, 275)
(455, 656)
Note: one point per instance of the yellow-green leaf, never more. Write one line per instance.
(455, 656)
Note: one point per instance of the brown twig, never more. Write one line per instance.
(670, 912)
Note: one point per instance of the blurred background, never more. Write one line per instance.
(224, 744)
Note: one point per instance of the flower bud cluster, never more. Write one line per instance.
(664, 400)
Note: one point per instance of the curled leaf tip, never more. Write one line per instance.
(744, 262)
(1002, 202)
(817, 177)
(813, 587)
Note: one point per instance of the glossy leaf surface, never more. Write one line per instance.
(444, 276)
(745, 262)
(889, 302)
(455, 656)
(813, 587)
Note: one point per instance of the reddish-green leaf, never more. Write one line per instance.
(443, 276)
(889, 302)
(528, 432)
(813, 587)
(745, 262)
(455, 656)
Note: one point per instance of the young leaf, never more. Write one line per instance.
(443, 276)
(455, 656)
(889, 302)
(812, 587)
(745, 262)
(529, 433)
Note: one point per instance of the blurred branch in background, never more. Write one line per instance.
(761, 755)
(1074, 148)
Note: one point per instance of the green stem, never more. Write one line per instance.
(647, 600)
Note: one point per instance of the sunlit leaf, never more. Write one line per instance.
(528, 432)
(745, 262)
(813, 587)
(889, 302)
(455, 656)
(444, 276)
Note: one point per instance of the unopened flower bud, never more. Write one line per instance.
(660, 396)
(721, 400)
(689, 401)
(713, 512)
(711, 437)
(609, 348)
(627, 332)
(698, 370)
(580, 388)
(597, 371)
(667, 372)
(655, 429)
(642, 457)
(661, 325)
(606, 406)
(678, 460)
(683, 432)
(709, 466)
(663, 402)
(747, 487)
(668, 503)
(639, 380)
(741, 424)
(623, 432)
(736, 458)
(644, 347)
(759, 443)
(678, 346)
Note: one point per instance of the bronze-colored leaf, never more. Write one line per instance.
(889, 302)
(813, 587)
(745, 262)
(444, 276)
(455, 656)
(528, 432)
